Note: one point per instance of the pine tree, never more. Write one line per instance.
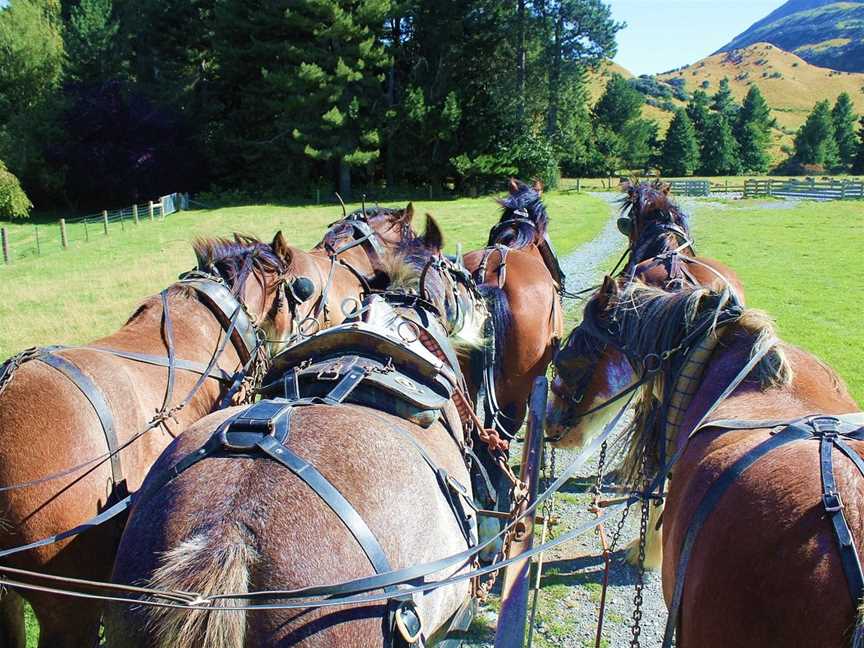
(724, 103)
(858, 164)
(815, 143)
(619, 104)
(90, 40)
(719, 154)
(680, 153)
(753, 131)
(698, 112)
(843, 118)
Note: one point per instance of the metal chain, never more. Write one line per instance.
(616, 535)
(636, 628)
(601, 461)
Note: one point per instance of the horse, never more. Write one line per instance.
(80, 426)
(363, 240)
(761, 446)
(518, 274)
(383, 453)
(660, 246)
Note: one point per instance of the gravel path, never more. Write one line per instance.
(573, 573)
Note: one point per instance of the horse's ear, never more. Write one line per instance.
(538, 186)
(665, 187)
(513, 186)
(433, 239)
(608, 291)
(408, 213)
(280, 247)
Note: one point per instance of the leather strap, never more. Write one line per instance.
(217, 373)
(93, 394)
(225, 303)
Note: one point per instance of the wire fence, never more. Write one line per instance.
(21, 242)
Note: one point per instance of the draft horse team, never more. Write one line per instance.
(290, 447)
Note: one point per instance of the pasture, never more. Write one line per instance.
(74, 295)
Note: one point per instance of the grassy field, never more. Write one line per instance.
(74, 295)
(802, 264)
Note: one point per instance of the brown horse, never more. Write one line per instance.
(269, 528)
(754, 498)
(661, 251)
(73, 420)
(519, 277)
(364, 239)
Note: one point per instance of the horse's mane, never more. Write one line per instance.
(234, 259)
(516, 234)
(405, 266)
(649, 320)
(651, 207)
(342, 229)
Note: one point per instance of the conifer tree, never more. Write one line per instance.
(858, 164)
(753, 131)
(89, 40)
(698, 112)
(619, 104)
(815, 143)
(843, 118)
(680, 152)
(724, 103)
(719, 153)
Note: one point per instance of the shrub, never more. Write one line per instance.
(14, 203)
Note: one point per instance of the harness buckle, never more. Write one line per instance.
(825, 425)
(330, 372)
(832, 502)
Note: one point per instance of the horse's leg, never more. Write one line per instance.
(653, 541)
(13, 633)
(66, 623)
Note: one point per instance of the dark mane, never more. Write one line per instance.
(234, 259)
(512, 229)
(343, 230)
(652, 212)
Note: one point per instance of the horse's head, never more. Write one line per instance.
(650, 220)
(420, 267)
(590, 368)
(270, 281)
(368, 235)
(524, 219)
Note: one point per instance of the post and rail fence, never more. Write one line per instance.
(46, 238)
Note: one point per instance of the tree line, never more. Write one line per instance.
(715, 136)
(106, 101)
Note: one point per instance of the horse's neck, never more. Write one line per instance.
(197, 335)
(357, 258)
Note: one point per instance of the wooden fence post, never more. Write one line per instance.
(135, 213)
(105, 221)
(63, 240)
(150, 210)
(4, 235)
(86, 232)
(122, 227)
(38, 247)
(162, 208)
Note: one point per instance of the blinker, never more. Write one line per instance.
(625, 225)
(301, 288)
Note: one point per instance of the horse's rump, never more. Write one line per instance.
(283, 535)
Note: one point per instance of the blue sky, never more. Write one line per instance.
(665, 34)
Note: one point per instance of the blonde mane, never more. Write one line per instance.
(650, 321)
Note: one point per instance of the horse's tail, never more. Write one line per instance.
(501, 319)
(216, 561)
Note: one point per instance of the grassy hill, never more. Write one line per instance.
(823, 32)
(791, 85)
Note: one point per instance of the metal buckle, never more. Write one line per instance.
(825, 425)
(832, 502)
(330, 372)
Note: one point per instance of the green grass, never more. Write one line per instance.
(803, 266)
(74, 295)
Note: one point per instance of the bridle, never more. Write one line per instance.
(453, 275)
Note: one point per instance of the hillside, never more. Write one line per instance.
(791, 85)
(825, 33)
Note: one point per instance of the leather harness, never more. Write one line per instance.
(219, 299)
(831, 432)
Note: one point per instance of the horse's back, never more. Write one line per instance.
(294, 539)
